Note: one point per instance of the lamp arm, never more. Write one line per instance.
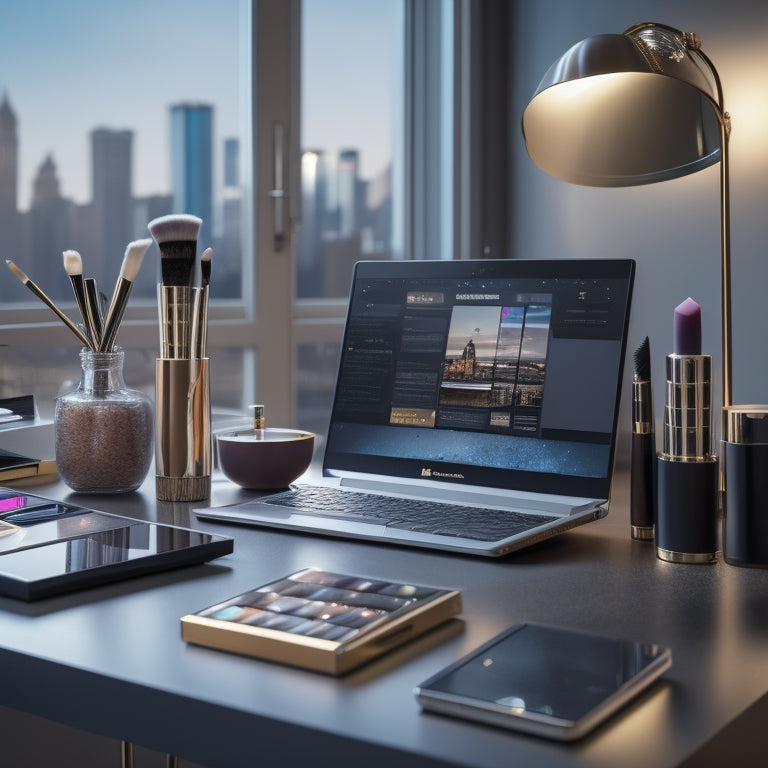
(725, 226)
(725, 262)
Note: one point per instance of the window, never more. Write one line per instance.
(215, 127)
(92, 148)
(351, 140)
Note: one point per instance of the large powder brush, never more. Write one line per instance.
(176, 236)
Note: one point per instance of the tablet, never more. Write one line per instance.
(57, 546)
(546, 680)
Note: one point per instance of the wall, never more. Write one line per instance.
(672, 228)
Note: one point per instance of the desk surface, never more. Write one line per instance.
(110, 660)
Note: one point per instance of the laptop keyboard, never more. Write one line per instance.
(442, 519)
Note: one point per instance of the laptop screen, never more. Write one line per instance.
(502, 373)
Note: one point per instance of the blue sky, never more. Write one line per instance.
(71, 66)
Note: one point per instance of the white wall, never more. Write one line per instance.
(672, 229)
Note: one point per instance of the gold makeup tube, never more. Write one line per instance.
(175, 303)
(183, 429)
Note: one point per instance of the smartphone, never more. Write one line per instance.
(546, 680)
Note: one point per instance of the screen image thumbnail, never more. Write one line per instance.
(495, 368)
(470, 357)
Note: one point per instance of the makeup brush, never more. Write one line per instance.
(73, 264)
(48, 302)
(200, 310)
(176, 236)
(93, 305)
(643, 448)
(205, 267)
(134, 253)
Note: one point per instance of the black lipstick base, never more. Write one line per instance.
(686, 516)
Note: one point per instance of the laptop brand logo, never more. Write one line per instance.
(427, 472)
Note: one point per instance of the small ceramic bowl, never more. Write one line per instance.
(264, 459)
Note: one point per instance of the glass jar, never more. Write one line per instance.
(104, 431)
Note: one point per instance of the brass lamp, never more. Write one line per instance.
(636, 108)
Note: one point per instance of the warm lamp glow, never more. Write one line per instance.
(635, 108)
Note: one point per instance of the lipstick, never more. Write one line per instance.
(686, 516)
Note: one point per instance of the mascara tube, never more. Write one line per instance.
(643, 450)
(686, 521)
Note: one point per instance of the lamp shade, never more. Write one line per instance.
(621, 110)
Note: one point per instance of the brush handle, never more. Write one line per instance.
(72, 327)
(78, 288)
(93, 307)
(115, 314)
(200, 321)
(175, 306)
(643, 485)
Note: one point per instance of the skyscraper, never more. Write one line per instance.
(192, 164)
(112, 206)
(49, 230)
(10, 228)
(232, 162)
(349, 194)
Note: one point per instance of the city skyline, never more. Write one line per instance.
(353, 216)
(68, 113)
(60, 96)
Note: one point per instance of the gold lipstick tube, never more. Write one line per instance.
(183, 429)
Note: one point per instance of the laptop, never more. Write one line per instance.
(475, 408)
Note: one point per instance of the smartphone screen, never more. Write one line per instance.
(560, 682)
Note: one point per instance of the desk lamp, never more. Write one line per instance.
(636, 108)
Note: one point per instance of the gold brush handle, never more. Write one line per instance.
(183, 430)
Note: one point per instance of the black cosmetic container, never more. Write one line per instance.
(687, 481)
(745, 454)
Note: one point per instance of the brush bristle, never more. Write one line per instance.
(643, 361)
(73, 263)
(16, 271)
(175, 227)
(134, 253)
(205, 266)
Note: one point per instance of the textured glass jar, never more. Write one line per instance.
(104, 431)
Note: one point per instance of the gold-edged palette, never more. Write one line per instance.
(319, 620)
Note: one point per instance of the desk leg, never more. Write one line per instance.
(126, 749)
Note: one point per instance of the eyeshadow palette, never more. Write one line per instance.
(328, 622)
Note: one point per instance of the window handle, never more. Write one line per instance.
(277, 193)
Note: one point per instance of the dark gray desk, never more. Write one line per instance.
(111, 660)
